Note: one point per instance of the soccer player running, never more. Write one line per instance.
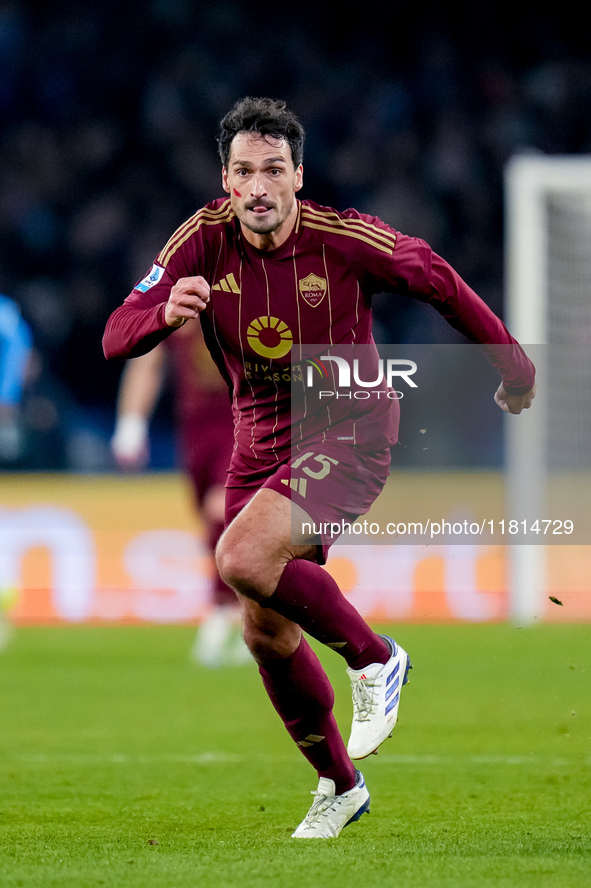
(266, 272)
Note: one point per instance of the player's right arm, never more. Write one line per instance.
(188, 298)
(149, 316)
(174, 290)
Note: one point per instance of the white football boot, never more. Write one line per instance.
(376, 698)
(330, 813)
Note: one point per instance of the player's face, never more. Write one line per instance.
(262, 181)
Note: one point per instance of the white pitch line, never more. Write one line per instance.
(204, 758)
(222, 758)
(387, 759)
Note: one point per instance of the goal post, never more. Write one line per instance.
(548, 298)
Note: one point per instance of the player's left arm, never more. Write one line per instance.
(514, 403)
(416, 270)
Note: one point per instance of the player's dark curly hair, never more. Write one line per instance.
(269, 117)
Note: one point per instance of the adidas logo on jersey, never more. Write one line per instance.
(228, 285)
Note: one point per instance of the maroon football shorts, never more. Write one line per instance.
(333, 483)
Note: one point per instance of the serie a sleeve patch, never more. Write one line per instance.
(150, 279)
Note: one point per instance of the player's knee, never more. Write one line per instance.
(239, 568)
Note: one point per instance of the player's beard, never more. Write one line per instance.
(267, 222)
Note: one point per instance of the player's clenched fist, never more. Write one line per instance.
(514, 403)
(187, 298)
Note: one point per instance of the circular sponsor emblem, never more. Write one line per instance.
(269, 337)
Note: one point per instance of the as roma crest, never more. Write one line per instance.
(313, 289)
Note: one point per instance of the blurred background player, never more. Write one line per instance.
(16, 344)
(205, 437)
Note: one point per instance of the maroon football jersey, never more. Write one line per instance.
(315, 288)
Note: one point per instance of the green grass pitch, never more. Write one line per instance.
(124, 764)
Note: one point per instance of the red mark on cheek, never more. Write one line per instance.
(236, 192)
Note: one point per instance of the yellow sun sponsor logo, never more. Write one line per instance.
(269, 337)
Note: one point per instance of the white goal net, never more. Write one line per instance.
(548, 297)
